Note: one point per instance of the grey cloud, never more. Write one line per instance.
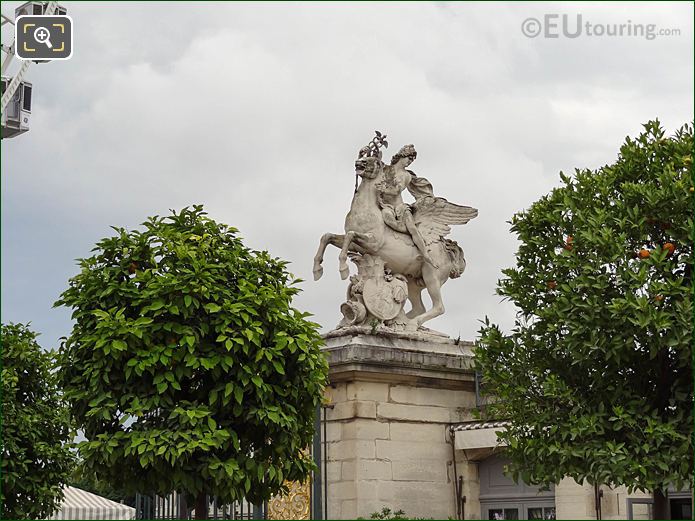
(257, 111)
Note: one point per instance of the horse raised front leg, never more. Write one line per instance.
(326, 239)
(342, 258)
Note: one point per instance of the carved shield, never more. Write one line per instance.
(384, 299)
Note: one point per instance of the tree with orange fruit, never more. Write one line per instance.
(596, 377)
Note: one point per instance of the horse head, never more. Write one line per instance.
(368, 167)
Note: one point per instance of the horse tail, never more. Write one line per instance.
(458, 262)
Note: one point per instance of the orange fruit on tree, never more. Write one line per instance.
(551, 284)
(644, 254)
(670, 247)
(659, 298)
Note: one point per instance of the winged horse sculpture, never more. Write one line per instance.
(400, 249)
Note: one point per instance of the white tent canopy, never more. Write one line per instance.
(80, 504)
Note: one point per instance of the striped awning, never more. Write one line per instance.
(80, 504)
(475, 425)
(478, 435)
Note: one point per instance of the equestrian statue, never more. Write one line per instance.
(399, 248)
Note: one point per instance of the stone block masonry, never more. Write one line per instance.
(387, 442)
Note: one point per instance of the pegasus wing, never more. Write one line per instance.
(434, 215)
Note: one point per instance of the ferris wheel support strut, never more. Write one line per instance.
(9, 51)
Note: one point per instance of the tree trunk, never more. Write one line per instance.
(201, 506)
(661, 506)
(598, 494)
(183, 507)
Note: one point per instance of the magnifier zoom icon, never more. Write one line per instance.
(43, 35)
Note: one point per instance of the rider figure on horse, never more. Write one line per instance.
(397, 214)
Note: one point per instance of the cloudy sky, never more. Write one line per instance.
(257, 111)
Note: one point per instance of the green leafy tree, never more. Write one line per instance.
(187, 368)
(36, 459)
(596, 376)
(387, 513)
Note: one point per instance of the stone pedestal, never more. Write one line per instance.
(387, 434)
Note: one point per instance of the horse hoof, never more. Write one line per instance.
(411, 326)
(318, 272)
(344, 273)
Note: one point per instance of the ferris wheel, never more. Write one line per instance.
(16, 91)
